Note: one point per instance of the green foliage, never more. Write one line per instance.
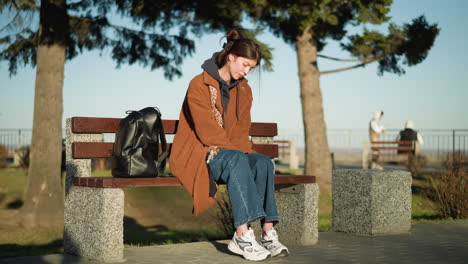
(324, 19)
(420, 38)
(155, 33)
(154, 43)
(408, 45)
(330, 19)
(374, 12)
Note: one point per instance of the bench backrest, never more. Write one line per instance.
(80, 153)
(402, 145)
(97, 125)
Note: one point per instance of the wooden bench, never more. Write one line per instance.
(94, 205)
(393, 148)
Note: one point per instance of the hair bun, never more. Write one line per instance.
(233, 34)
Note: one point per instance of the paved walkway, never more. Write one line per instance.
(445, 242)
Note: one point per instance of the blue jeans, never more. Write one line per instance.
(250, 183)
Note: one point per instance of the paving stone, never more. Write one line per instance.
(432, 243)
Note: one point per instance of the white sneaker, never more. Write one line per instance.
(248, 247)
(271, 243)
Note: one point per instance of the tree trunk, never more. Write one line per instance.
(43, 206)
(317, 153)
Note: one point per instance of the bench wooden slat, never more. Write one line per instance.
(294, 179)
(393, 154)
(271, 150)
(392, 148)
(94, 124)
(91, 150)
(109, 125)
(403, 142)
(111, 182)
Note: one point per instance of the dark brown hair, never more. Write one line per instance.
(239, 46)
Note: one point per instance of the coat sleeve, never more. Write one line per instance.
(205, 126)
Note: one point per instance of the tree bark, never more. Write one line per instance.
(43, 206)
(317, 154)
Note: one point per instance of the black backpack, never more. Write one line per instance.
(136, 146)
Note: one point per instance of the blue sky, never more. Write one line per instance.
(433, 94)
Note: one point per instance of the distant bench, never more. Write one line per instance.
(94, 205)
(397, 149)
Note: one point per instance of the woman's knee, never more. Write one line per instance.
(260, 160)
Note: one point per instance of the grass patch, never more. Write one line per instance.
(170, 195)
(423, 210)
(325, 212)
(20, 242)
(100, 173)
(12, 186)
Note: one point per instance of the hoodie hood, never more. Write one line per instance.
(409, 124)
(377, 114)
(211, 67)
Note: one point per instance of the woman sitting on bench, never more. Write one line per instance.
(212, 146)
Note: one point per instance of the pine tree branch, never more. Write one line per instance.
(338, 59)
(11, 22)
(343, 69)
(367, 61)
(8, 37)
(19, 10)
(116, 27)
(28, 3)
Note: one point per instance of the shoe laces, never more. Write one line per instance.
(249, 236)
(270, 240)
(270, 235)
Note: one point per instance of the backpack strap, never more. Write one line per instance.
(160, 163)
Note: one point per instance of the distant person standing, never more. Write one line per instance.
(375, 130)
(409, 134)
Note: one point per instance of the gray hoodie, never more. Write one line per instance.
(211, 67)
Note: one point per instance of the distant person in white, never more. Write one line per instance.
(409, 134)
(375, 130)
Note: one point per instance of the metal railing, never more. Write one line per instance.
(437, 142)
(14, 139)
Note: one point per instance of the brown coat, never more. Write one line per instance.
(198, 129)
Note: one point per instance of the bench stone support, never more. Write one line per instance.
(298, 211)
(77, 167)
(94, 223)
(93, 220)
(371, 202)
